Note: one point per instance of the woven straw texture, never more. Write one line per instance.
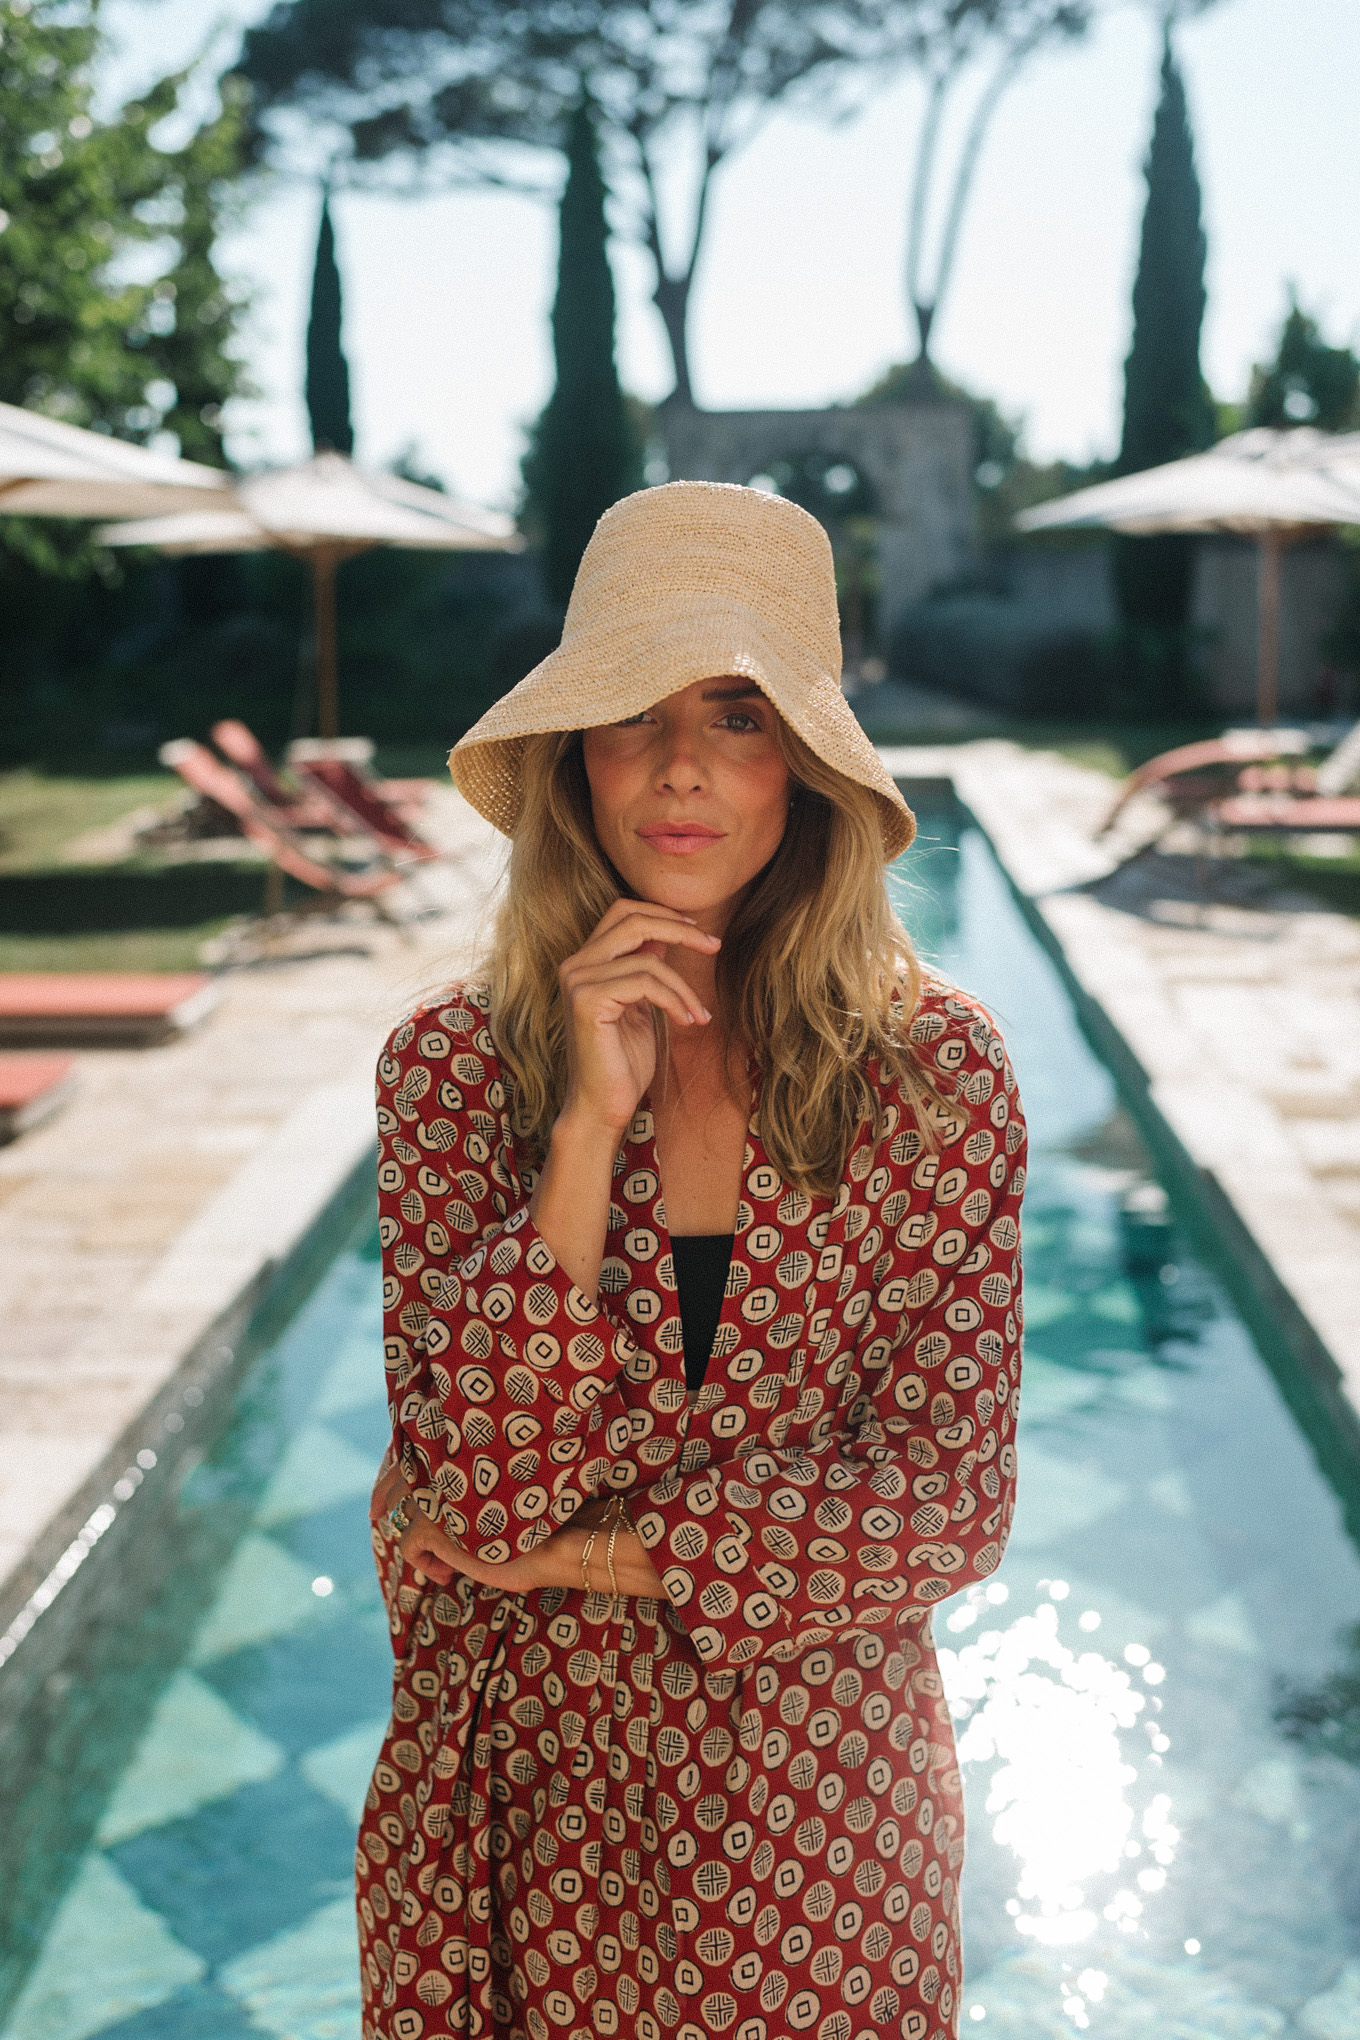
(686, 582)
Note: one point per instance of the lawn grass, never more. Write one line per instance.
(39, 814)
(142, 914)
(1333, 881)
(130, 950)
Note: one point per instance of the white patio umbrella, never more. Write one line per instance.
(50, 469)
(1275, 487)
(324, 511)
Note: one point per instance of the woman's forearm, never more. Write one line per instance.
(570, 1205)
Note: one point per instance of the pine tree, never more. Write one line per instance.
(584, 452)
(1167, 409)
(327, 369)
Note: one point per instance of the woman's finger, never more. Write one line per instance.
(388, 1490)
(645, 923)
(629, 979)
(427, 1548)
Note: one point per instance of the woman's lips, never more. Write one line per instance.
(680, 839)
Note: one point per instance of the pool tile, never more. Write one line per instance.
(1059, 1497)
(356, 1376)
(342, 1769)
(294, 1690)
(1273, 1789)
(241, 1869)
(304, 1984)
(196, 1749)
(1049, 1391)
(264, 1593)
(1223, 1625)
(337, 1542)
(107, 1955)
(1129, 1996)
(202, 2012)
(1334, 2014)
(368, 1429)
(318, 1469)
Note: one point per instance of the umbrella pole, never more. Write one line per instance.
(1270, 557)
(324, 562)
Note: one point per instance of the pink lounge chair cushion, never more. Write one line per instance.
(69, 995)
(1300, 812)
(26, 1078)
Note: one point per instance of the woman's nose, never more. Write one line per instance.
(680, 770)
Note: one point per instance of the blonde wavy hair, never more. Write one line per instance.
(816, 972)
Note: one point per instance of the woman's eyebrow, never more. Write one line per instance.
(743, 691)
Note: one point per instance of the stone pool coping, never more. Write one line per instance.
(1233, 1028)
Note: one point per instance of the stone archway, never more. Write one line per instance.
(917, 458)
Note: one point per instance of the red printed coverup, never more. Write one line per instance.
(738, 1811)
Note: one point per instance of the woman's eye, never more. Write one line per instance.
(631, 722)
(738, 719)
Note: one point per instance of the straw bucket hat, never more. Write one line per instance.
(686, 582)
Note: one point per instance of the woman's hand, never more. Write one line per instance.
(609, 988)
(388, 1488)
(432, 1554)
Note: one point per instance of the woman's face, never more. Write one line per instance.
(690, 798)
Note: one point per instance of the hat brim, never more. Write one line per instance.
(606, 675)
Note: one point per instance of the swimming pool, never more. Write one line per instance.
(1152, 1857)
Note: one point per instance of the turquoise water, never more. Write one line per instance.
(1152, 1857)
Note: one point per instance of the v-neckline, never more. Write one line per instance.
(647, 1148)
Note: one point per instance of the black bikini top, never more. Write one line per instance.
(701, 1264)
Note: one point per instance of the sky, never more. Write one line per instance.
(800, 299)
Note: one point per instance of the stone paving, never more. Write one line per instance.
(1237, 1006)
(133, 1222)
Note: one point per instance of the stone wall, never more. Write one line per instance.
(1312, 589)
(916, 457)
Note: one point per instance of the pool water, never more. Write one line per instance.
(1153, 1853)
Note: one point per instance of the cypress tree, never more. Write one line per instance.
(1167, 409)
(327, 369)
(583, 453)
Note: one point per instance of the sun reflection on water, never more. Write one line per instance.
(1052, 1722)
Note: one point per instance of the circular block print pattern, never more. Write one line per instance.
(735, 1811)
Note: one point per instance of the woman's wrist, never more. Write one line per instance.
(583, 1134)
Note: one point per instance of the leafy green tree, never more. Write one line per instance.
(80, 200)
(1168, 411)
(584, 453)
(327, 369)
(1308, 382)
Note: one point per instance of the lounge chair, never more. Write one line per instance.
(1295, 814)
(408, 796)
(109, 1009)
(312, 808)
(365, 802)
(1192, 775)
(32, 1088)
(270, 829)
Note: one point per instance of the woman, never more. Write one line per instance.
(700, 1231)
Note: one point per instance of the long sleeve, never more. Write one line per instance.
(904, 1492)
(501, 1372)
